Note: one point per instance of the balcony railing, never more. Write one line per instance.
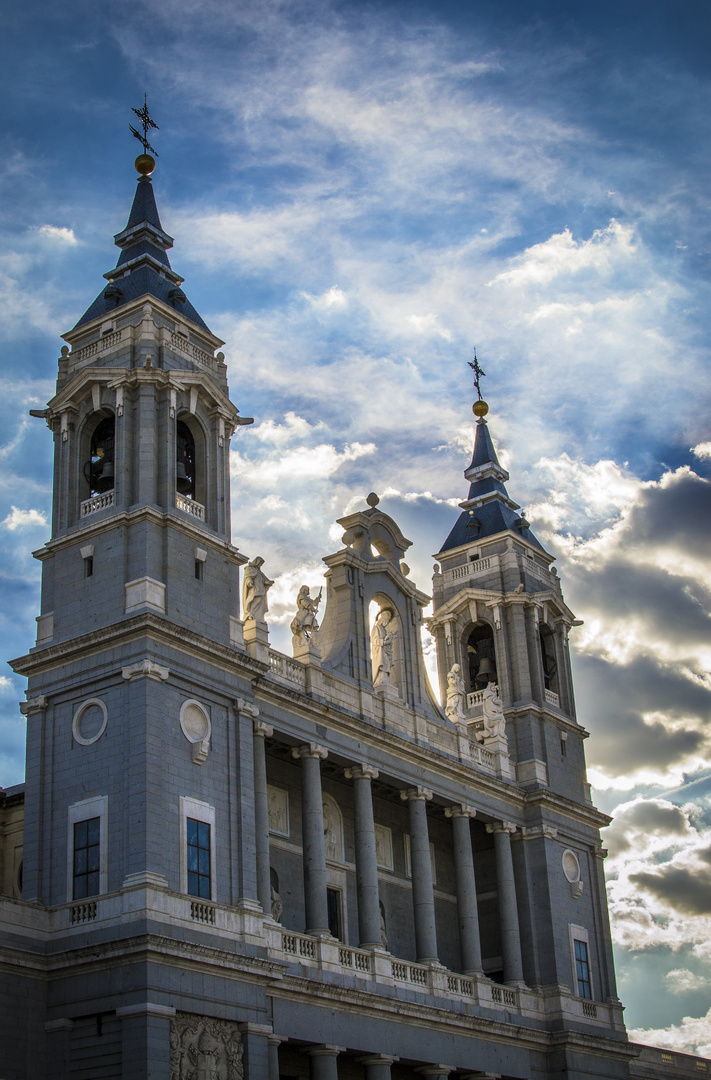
(189, 506)
(552, 699)
(97, 502)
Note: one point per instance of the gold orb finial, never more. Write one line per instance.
(145, 164)
(480, 408)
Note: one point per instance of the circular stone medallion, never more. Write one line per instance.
(90, 721)
(194, 721)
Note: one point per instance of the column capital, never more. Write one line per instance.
(247, 707)
(434, 1070)
(359, 772)
(262, 729)
(37, 704)
(501, 827)
(327, 1050)
(248, 1027)
(549, 831)
(377, 1059)
(277, 1040)
(460, 810)
(415, 794)
(311, 749)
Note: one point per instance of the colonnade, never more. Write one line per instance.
(310, 756)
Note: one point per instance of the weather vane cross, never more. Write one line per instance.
(146, 122)
(478, 374)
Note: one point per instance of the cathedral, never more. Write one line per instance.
(229, 863)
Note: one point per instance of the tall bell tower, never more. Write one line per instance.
(140, 583)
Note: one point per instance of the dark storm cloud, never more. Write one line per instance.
(675, 514)
(685, 890)
(615, 698)
(648, 816)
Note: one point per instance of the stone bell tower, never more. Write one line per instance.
(500, 615)
(139, 564)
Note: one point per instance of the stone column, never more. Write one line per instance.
(59, 1039)
(377, 1066)
(434, 1071)
(508, 909)
(534, 654)
(422, 889)
(561, 659)
(145, 1041)
(323, 1062)
(365, 856)
(274, 1044)
(262, 731)
(256, 1050)
(469, 940)
(314, 846)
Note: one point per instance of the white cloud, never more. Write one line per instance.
(302, 463)
(58, 234)
(562, 255)
(22, 519)
(332, 298)
(692, 1036)
(702, 450)
(683, 981)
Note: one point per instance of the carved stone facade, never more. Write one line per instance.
(202, 1048)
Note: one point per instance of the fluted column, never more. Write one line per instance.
(365, 856)
(422, 888)
(262, 731)
(469, 940)
(508, 909)
(377, 1066)
(314, 847)
(323, 1061)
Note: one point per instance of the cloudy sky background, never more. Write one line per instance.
(359, 194)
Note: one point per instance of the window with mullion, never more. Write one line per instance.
(87, 862)
(198, 858)
(582, 970)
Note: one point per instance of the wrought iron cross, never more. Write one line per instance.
(146, 122)
(478, 373)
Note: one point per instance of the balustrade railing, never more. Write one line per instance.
(189, 506)
(97, 502)
(81, 913)
(202, 912)
(471, 569)
(539, 571)
(287, 668)
(192, 351)
(552, 699)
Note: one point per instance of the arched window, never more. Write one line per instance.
(99, 469)
(185, 461)
(550, 666)
(481, 657)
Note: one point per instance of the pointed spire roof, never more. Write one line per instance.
(488, 509)
(143, 266)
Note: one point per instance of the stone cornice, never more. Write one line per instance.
(163, 518)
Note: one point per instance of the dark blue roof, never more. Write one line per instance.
(495, 515)
(144, 206)
(141, 281)
(143, 243)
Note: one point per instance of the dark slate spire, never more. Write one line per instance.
(143, 266)
(488, 509)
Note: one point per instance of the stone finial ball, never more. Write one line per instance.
(372, 499)
(480, 408)
(144, 164)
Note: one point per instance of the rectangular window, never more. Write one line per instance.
(87, 858)
(582, 969)
(198, 838)
(89, 566)
(198, 569)
(333, 903)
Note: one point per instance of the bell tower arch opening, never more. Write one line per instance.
(100, 435)
(548, 659)
(190, 469)
(479, 661)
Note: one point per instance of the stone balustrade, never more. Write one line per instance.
(190, 506)
(96, 503)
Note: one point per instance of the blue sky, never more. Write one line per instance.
(359, 194)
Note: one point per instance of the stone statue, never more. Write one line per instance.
(381, 647)
(383, 928)
(277, 906)
(304, 626)
(331, 833)
(456, 696)
(494, 722)
(255, 586)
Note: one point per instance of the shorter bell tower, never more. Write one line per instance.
(500, 615)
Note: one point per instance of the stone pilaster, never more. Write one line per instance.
(262, 731)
